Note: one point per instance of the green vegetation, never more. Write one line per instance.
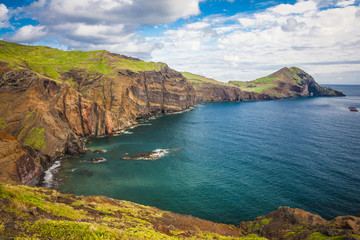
(266, 221)
(38, 213)
(319, 236)
(253, 86)
(36, 139)
(201, 80)
(53, 62)
(31, 135)
(288, 234)
(267, 79)
(2, 123)
(71, 230)
(256, 86)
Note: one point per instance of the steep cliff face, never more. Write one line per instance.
(216, 93)
(135, 94)
(49, 116)
(15, 163)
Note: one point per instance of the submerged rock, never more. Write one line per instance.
(98, 160)
(99, 151)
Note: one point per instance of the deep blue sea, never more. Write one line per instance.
(232, 162)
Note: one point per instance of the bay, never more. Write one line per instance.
(232, 162)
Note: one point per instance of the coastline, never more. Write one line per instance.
(56, 163)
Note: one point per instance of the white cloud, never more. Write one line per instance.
(29, 33)
(345, 3)
(297, 8)
(4, 16)
(320, 36)
(292, 25)
(319, 40)
(91, 24)
(120, 11)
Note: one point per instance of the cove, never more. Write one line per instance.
(231, 162)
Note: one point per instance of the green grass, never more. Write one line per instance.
(267, 79)
(2, 123)
(71, 230)
(194, 78)
(36, 139)
(319, 236)
(266, 221)
(53, 62)
(252, 86)
(24, 198)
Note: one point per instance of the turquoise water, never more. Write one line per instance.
(232, 162)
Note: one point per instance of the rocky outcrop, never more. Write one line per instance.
(285, 83)
(49, 118)
(290, 223)
(218, 93)
(293, 82)
(15, 163)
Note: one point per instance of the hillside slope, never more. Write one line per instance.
(285, 83)
(47, 214)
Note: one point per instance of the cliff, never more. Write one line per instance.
(50, 99)
(47, 214)
(285, 83)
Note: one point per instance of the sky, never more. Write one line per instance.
(222, 39)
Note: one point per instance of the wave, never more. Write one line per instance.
(153, 155)
(98, 160)
(180, 112)
(49, 174)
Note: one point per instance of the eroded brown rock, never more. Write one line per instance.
(15, 163)
(290, 223)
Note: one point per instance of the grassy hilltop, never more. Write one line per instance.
(287, 82)
(54, 62)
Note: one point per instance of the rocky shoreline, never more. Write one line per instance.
(48, 112)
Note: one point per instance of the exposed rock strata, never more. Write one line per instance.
(219, 93)
(15, 163)
(50, 118)
(285, 83)
(104, 93)
(290, 223)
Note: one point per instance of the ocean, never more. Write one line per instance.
(231, 162)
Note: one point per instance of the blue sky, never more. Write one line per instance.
(222, 39)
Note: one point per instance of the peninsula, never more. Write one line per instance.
(51, 100)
